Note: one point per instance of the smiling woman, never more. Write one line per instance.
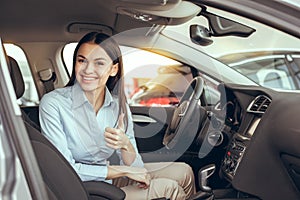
(236, 48)
(89, 120)
(92, 71)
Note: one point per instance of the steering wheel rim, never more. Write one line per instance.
(183, 113)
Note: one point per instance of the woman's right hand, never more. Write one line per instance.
(137, 174)
(140, 175)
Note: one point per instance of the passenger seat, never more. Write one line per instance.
(61, 181)
(19, 86)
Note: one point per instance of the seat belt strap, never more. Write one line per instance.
(47, 77)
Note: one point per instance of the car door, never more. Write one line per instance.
(20, 177)
(154, 85)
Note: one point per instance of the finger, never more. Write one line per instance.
(142, 185)
(111, 141)
(112, 144)
(111, 136)
(111, 130)
(121, 122)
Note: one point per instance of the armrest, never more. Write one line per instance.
(104, 190)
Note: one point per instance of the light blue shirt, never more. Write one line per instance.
(69, 121)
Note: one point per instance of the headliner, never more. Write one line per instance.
(49, 20)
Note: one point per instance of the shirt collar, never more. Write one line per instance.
(79, 97)
(108, 98)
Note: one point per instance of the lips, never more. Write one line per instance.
(88, 79)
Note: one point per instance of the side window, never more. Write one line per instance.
(30, 96)
(67, 54)
(296, 68)
(212, 93)
(150, 79)
(270, 72)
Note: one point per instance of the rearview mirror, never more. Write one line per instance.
(200, 35)
(218, 26)
(221, 26)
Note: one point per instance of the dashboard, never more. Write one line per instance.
(242, 123)
(262, 157)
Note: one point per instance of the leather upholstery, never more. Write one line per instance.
(16, 77)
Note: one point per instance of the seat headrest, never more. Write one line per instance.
(16, 77)
(273, 80)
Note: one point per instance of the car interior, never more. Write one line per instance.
(239, 137)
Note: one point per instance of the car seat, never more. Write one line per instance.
(61, 180)
(273, 80)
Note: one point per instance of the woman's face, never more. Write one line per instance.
(93, 67)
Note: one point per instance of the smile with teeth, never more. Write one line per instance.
(88, 78)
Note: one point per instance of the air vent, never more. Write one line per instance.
(259, 105)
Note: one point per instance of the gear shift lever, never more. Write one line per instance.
(205, 192)
(203, 174)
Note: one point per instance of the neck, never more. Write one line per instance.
(96, 98)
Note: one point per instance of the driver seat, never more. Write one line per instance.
(60, 179)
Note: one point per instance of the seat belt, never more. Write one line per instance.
(47, 76)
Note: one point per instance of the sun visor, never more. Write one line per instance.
(178, 14)
(157, 5)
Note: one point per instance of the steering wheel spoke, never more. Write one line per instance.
(186, 117)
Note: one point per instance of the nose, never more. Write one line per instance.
(89, 68)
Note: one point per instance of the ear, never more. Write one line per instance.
(114, 69)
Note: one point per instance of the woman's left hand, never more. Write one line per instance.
(116, 137)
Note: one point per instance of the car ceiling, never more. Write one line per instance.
(283, 14)
(46, 21)
(49, 20)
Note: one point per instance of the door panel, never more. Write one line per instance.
(149, 135)
(150, 124)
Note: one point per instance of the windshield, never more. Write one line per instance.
(246, 55)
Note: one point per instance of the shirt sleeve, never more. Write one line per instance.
(52, 128)
(138, 162)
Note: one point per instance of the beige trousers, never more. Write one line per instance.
(173, 180)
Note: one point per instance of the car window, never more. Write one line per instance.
(67, 55)
(30, 96)
(211, 91)
(268, 72)
(295, 65)
(150, 79)
(263, 60)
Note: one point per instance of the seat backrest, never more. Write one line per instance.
(16, 77)
(60, 179)
(58, 175)
(19, 87)
(273, 80)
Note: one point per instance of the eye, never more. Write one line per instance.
(99, 63)
(81, 60)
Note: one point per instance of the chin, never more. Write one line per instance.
(88, 88)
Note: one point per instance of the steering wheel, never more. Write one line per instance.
(186, 117)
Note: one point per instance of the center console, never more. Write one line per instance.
(234, 155)
(236, 150)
